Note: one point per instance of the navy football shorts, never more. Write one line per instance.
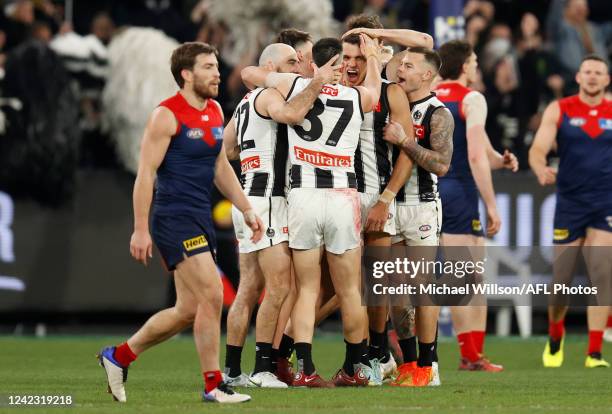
(177, 236)
(459, 207)
(573, 217)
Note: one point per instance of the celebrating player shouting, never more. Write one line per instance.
(419, 213)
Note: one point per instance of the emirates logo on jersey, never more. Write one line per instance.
(328, 90)
(322, 159)
(419, 131)
(249, 164)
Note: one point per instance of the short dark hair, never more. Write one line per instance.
(325, 49)
(431, 56)
(184, 57)
(453, 55)
(595, 57)
(364, 20)
(293, 37)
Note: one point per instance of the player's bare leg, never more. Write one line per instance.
(346, 277)
(282, 347)
(598, 257)
(378, 315)
(564, 264)
(275, 262)
(239, 316)
(307, 265)
(159, 327)
(470, 320)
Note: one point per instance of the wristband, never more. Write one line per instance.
(387, 196)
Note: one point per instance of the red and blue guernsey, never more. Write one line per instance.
(584, 178)
(458, 191)
(182, 220)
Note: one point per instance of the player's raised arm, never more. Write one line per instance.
(293, 111)
(543, 143)
(230, 141)
(402, 37)
(370, 91)
(155, 141)
(227, 183)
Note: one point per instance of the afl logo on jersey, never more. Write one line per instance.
(605, 123)
(577, 122)
(417, 115)
(195, 133)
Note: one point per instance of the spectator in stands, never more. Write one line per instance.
(573, 36)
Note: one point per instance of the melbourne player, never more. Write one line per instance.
(580, 128)
(469, 175)
(379, 176)
(419, 210)
(182, 144)
(254, 136)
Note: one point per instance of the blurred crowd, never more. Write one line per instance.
(528, 53)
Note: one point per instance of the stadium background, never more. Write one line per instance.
(79, 79)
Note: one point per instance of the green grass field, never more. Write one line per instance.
(166, 379)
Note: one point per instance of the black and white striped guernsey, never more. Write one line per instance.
(322, 147)
(422, 185)
(374, 155)
(263, 150)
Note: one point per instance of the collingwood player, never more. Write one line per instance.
(419, 211)
(261, 143)
(379, 176)
(324, 211)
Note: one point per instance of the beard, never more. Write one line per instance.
(204, 91)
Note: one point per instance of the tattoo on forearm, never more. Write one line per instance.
(436, 160)
(404, 321)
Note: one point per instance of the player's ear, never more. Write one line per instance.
(187, 75)
(270, 66)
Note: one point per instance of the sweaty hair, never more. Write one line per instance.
(325, 49)
(454, 54)
(293, 37)
(431, 56)
(363, 20)
(184, 57)
(597, 58)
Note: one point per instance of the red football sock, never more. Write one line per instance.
(556, 329)
(124, 355)
(478, 338)
(211, 380)
(466, 347)
(595, 339)
(609, 324)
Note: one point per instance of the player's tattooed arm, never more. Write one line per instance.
(437, 160)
